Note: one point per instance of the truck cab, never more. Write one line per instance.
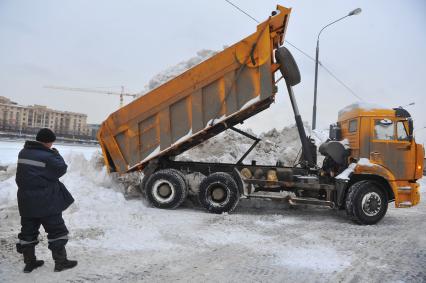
(385, 138)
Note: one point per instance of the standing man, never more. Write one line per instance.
(41, 200)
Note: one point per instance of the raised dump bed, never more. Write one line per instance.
(220, 92)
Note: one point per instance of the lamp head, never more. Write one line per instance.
(355, 12)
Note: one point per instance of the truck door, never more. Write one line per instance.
(391, 147)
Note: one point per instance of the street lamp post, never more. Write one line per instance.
(314, 110)
(409, 104)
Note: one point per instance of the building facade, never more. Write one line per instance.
(29, 119)
(93, 130)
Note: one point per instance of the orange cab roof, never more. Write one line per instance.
(364, 109)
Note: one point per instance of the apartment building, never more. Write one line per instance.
(29, 119)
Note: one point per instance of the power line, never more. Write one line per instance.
(300, 50)
(327, 70)
(303, 52)
(341, 82)
(242, 11)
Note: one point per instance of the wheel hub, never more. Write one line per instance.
(164, 190)
(218, 194)
(371, 204)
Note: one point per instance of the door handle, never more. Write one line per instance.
(376, 157)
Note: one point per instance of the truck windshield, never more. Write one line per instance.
(401, 131)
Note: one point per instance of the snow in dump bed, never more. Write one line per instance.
(251, 102)
(276, 145)
(360, 105)
(177, 69)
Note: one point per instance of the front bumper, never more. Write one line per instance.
(408, 195)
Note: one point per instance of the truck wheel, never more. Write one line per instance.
(219, 193)
(166, 189)
(366, 202)
(288, 66)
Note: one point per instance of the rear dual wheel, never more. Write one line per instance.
(219, 193)
(166, 189)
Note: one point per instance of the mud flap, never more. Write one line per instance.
(341, 187)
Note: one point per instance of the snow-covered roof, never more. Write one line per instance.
(361, 107)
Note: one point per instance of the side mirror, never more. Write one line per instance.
(410, 129)
(335, 133)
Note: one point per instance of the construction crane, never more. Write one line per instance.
(121, 94)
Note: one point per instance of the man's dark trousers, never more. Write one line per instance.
(57, 232)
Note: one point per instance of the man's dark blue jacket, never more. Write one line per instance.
(40, 193)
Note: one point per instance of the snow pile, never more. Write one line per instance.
(10, 149)
(229, 146)
(100, 205)
(7, 186)
(178, 69)
(319, 135)
(9, 155)
(79, 170)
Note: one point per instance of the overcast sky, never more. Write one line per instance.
(380, 54)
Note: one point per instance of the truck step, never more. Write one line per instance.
(405, 189)
(296, 201)
(270, 196)
(405, 204)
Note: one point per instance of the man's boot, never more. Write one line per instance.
(61, 261)
(30, 259)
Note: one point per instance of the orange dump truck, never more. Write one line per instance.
(371, 158)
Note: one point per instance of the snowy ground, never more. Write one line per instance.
(116, 239)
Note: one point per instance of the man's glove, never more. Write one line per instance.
(19, 248)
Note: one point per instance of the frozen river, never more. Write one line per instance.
(9, 150)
